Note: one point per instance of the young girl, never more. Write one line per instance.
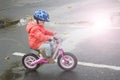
(38, 36)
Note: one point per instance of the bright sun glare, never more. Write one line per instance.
(101, 22)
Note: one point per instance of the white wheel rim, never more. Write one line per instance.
(28, 60)
(68, 64)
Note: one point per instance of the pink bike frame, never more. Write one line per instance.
(58, 50)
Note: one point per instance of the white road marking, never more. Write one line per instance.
(18, 54)
(99, 65)
(83, 63)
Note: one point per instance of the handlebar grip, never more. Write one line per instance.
(55, 38)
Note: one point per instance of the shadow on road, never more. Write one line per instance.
(31, 75)
(67, 75)
(35, 75)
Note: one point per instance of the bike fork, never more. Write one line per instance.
(62, 53)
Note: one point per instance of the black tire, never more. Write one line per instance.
(67, 66)
(27, 64)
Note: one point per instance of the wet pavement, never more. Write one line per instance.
(95, 44)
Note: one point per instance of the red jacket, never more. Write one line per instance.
(37, 35)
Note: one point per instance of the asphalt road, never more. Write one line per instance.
(90, 30)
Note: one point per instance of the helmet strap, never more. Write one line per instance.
(37, 21)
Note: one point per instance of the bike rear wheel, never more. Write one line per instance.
(69, 63)
(28, 59)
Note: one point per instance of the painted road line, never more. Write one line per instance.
(19, 54)
(83, 63)
(99, 65)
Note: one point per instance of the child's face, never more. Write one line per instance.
(41, 22)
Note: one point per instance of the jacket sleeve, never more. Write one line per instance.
(40, 36)
(48, 32)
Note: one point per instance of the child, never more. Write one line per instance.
(37, 34)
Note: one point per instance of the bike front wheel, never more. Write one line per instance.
(69, 63)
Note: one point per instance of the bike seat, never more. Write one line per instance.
(41, 52)
(38, 51)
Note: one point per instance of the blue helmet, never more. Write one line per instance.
(41, 15)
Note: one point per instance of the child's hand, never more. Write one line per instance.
(55, 33)
(51, 38)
